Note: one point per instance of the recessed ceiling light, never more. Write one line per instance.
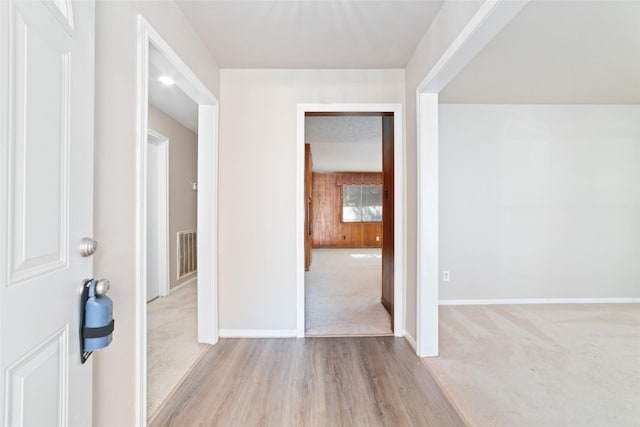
(167, 80)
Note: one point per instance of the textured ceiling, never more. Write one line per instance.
(345, 143)
(311, 33)
(558, 52)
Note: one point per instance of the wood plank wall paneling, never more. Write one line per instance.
(328, 229)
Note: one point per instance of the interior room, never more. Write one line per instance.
(172, 170)
(539, 176)
(515, 239)
(509, 292)
(344, 224)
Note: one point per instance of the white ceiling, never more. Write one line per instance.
(552, 52)
(557, 52)
(311, 33)
(345, 143)
(171, 100)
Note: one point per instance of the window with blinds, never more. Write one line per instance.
(362, 203)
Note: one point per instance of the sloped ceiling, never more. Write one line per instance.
(558, 52)
(171, 100)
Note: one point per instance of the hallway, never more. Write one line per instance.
(373, 381)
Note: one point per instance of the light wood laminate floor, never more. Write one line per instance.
(364, 381)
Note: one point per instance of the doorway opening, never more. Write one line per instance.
(337, 244)
(349, 224)
(172, 168)
(186, 91)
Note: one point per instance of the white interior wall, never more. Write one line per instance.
(451, 19)
(540, 201)
(257, 255)
(115, 394)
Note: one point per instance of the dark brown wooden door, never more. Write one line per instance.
(387, 214)
(308, 185)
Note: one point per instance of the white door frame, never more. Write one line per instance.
(162, 231)
(488, 21)
(207, 210)
(399, 211)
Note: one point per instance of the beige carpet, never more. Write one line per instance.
(541, 365)
(172, 346)
(342, 293)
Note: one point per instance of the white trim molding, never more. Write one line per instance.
(485, 24)
(163, 213)
(207, 200)
(428, 226)
(540, 301)
(411, 340)
(258, 333)
(399, 187)
(184, 284)
(207, 223)
(489, 20)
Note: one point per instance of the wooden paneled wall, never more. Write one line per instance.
(328, 229)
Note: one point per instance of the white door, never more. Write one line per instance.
(46, 198)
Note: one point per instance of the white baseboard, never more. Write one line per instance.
(539, 301)
(411, 340)
(258, 333)
(182, 285)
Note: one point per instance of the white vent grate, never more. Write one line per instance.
(187, 253)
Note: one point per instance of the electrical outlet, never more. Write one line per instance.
(377, 238)
(446, 276)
